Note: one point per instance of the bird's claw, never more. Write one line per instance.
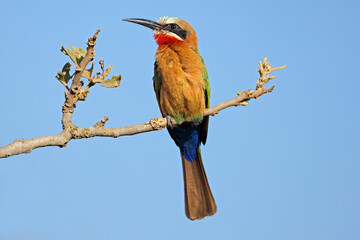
(170, 122)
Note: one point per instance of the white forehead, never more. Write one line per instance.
(167, 20)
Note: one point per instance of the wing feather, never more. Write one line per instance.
(205, 124)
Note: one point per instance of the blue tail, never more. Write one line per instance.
(187, 137)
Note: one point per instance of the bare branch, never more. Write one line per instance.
(74, 132)
(240, 100)
(26, 146)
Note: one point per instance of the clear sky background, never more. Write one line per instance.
(284, 167)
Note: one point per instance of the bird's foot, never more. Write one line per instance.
(170, 122)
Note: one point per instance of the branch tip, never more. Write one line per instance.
(102, 122)
(271, 89)
(105, 119)
(92, 40)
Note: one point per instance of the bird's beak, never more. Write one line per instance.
(147, 23)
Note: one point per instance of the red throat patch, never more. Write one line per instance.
(162, 39)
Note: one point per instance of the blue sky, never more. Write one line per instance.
(284, 167)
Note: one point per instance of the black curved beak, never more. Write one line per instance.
(147, 23)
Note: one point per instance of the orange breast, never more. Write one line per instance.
(182, 86)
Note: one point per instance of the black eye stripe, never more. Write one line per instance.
(176, 29)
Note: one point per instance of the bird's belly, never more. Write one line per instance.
(183, 100)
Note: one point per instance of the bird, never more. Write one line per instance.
(181, 84)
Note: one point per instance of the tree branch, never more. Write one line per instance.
(72, 96)
(76, 93)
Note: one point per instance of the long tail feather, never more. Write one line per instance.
(199, 201)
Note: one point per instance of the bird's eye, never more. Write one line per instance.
(173, 26)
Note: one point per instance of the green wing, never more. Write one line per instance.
(205, 126)
(157, 83)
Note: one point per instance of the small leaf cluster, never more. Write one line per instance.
(264, 71)
(77, 55)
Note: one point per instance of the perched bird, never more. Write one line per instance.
(182, 90)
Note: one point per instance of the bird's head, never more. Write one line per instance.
(169, 30)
